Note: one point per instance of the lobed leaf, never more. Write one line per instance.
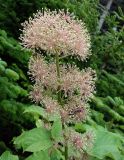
(34, 140)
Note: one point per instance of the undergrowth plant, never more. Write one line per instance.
(61, 90)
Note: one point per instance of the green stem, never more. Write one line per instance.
(66, 151)
(57, 65)
(58, 75)
(65, 143)
(59, 99)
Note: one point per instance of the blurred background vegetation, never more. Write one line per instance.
(105, 22)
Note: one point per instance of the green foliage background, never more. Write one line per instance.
(107, 106)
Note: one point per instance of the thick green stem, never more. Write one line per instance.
(59, 99)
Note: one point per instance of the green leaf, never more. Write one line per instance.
(39, 111)
(39, 123)
(34, 140)
(57, 130)
(54, 117)
(42, 155)
(56, 155)
(36, 110)
(107, 144)
(8, 156)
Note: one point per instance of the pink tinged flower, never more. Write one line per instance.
(66, 16)
(56, 32)
(76, 27)
(87, 85)
(42, 73)
(76, 110)
(89, 137)
(78, 45)
(76, 140)
(69, 80)
(51, 79)
(64, 115)
(36, 94)
(78, 114)
(51, 106)
(84, 81)
(37, 68)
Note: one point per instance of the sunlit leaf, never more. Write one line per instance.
(8, 156)
(57, 130)
(34, 140)
(42, 155)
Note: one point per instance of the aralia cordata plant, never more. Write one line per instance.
(60, 89)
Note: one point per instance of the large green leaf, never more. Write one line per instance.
(34, 140)
(57, 130)
(42, 155)
(8, 156)
(107, 144)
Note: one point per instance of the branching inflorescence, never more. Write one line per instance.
(61, 89)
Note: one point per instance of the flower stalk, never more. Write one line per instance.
(58, 76)
(56, 33)
(66, 146)
(59, 99)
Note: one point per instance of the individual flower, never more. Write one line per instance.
(51, 79)
(84, 81)
(36, 94)
(56, 32)
(87, 83)
(51, 105)
(38, 69)
(64, 115)
(76, 110)
(81, 143)
(76, 141)
(68, 79)
(43, 73)
(89, 137)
